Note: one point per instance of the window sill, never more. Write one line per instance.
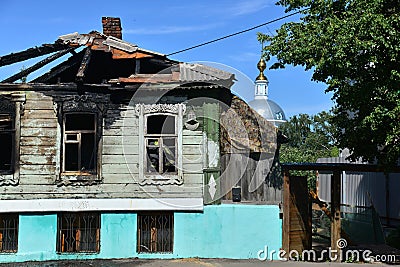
(161, 179)
(155, 253)
(78, 179)
(78, 253)
(7, 178)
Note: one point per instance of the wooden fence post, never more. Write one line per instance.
(286, 211)
(336, 220)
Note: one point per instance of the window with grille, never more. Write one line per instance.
(155, 233)
(7, 137)
(161, 142)
(9, 233)
(80, 150)
(78, 232)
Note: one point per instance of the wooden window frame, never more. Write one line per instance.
(79, 133)
(12, 105)
(160, 137)
(11, 119)
(143, 111)
(69, 237)
(153, 237)
(86, 103)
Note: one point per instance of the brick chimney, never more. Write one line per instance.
(112, 27)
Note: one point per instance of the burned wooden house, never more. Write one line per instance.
(121, 152)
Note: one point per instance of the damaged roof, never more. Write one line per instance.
(243, 130)
(110, 60)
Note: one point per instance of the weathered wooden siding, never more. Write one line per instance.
(40, 158)
(251, 175)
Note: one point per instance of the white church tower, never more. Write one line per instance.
(267, 108)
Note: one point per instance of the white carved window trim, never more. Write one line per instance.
(13, 103)
(143, 110)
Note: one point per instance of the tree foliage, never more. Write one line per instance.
(354, 47)
(309, 138)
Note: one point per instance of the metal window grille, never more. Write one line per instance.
(78, 232)
(9, 233)
(155, 233)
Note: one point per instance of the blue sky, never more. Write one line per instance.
(166, 27)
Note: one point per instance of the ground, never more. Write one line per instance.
(181, 262)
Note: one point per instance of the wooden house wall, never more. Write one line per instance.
(40, 158)
(241, 170)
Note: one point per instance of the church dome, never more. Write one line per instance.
(269, 109)
(264, 106)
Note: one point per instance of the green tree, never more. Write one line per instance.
(309, 138)
(25, 78)
(354, 47)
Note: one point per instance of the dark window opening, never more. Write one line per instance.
(78, 232)
(7, 135)
(155, 233)
(150, 66)
(9, 233)
(161, 138)
(160, 124)
(79, 121)
(80, 151)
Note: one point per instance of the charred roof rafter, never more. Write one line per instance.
(38, 51)
(38, 65)
(72, 61)
(84, 65)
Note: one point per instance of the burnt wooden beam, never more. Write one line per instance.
(72, 61)
(37, 66)
(37, 87)
(31, 53)
(84, 65)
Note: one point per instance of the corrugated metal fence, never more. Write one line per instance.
(364, 189)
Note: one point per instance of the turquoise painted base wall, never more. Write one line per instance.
(221, 231)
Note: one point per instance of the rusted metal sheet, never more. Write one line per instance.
(117, 54)
(145, 78)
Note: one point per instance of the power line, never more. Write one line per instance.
(236, 33)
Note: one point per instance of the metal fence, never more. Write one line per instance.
(364, 189)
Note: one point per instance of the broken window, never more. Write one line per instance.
(78, 232)
(7, 135)
(161, 143)
(9, 233)
(155, 232)
(80, 150)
